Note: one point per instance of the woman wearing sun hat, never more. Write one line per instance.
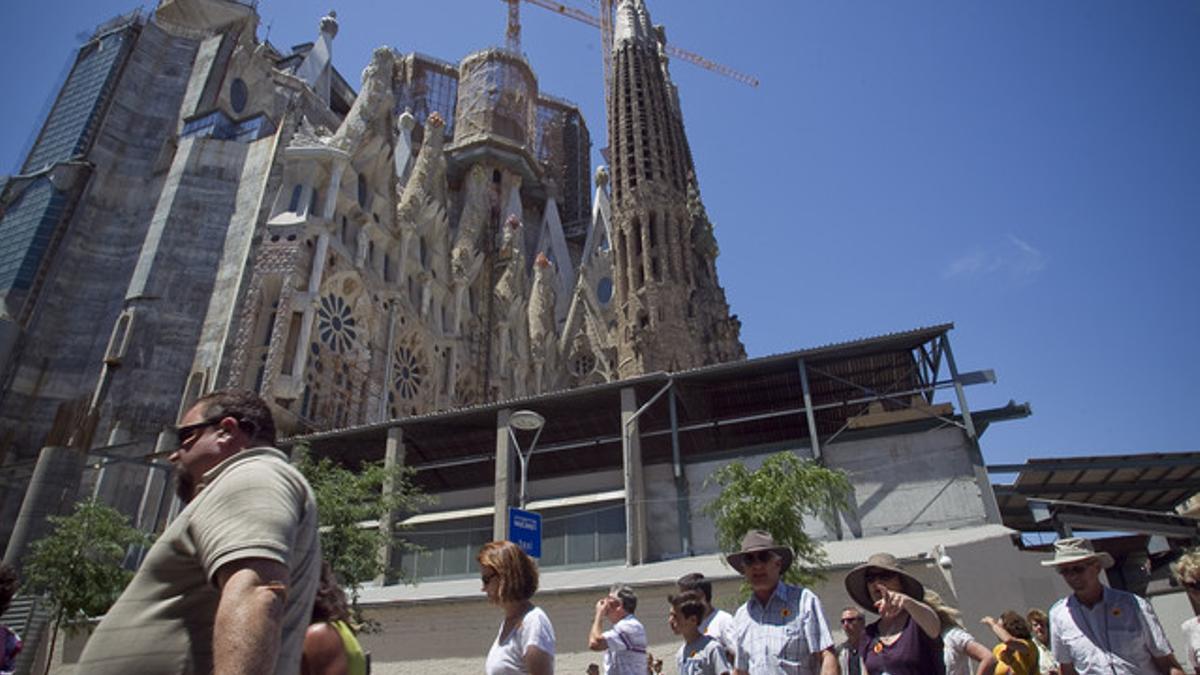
(905, 640)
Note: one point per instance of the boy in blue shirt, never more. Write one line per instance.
(700, 654)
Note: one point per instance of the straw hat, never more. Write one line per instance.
(1076, 549)
(760, 540)
(856, 580)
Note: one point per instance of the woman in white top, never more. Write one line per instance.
(1187, 571)
(959, 646)
(525, 643)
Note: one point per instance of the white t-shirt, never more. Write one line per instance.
(954, 650)
(719, 625)
(508, 657)
(626, 653)
(1191, 634)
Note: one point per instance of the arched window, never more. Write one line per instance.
(294, 204)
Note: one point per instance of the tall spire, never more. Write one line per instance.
(671, 311)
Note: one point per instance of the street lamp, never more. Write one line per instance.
(525, 420)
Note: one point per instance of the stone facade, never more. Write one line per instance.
(433, 241)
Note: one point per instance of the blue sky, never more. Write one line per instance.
(1028, 170)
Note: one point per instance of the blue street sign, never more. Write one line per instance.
(525, 530)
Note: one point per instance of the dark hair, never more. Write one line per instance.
(8, 586)
(330, 603)
(688, 604)
(518, 573)
(626, 595)
(253, 416)
(696, 582)
(1016, 625)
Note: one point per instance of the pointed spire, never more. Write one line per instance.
(632, 23)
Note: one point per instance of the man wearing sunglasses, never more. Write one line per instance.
(781, 629)
(1099, 630)
(229, 586)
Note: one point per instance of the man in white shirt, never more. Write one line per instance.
(624, 645)
(1099, 630)
(717, 623)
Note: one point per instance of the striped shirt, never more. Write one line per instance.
(626, 653)
(782, 635)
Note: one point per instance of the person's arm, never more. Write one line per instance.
(1167, 665)
(985, 657)
(829, 663)
(596, 641)
(324, 653)
(538, 662)
(893, 602)
(999, 630)
(246, 631)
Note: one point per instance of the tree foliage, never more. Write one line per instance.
(347, 501)
(777, 498)
(79, 565)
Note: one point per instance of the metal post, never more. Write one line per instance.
(814, 438)
(681, 482)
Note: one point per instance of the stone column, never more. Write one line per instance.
(393, 457)
(504, 476)
(51, 492)
(635, 503)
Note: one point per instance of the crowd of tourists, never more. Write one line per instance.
(236, 584)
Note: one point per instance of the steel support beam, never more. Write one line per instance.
(631, 462)
(990, 506)
(814, 437)
(393, 458)
(682, 491)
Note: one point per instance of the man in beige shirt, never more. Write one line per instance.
(229, 586)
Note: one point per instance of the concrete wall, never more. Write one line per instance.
(453, 635)
(68, 331)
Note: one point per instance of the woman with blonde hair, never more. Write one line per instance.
(1187, 572)
(959, 646)
(525, 642)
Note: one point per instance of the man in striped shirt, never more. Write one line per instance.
(624, 645)
(781, 629)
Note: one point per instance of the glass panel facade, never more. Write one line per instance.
(581, 535)
(25, 232)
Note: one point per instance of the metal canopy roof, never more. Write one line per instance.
(720, 408)
(1152, 482)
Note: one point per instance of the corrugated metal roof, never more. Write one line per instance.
(1148, 482)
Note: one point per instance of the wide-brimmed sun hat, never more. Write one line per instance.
(1076, 549)
(760, 540)
(856, 580)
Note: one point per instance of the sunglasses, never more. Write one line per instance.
(762, 557)
(1070, 570)
(879, 575)
(185, 433)
(855, 619)
(487, 577)
(1192, 585)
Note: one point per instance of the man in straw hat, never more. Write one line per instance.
(1098, 629)
(781, 628)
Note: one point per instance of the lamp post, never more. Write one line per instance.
(525, 420)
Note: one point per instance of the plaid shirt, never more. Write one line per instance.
(782, 635)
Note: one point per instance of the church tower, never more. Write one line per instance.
(671, 310)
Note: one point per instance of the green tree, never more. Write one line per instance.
(349, 500)
(777, 498)
(79, 565)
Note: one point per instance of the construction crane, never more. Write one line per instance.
(605, 23)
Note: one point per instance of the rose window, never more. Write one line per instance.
(335, 324)
(407, 372)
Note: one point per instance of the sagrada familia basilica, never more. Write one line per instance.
(201, 210)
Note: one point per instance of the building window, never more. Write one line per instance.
(238, 95)
(294, 204)
(363, 191)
